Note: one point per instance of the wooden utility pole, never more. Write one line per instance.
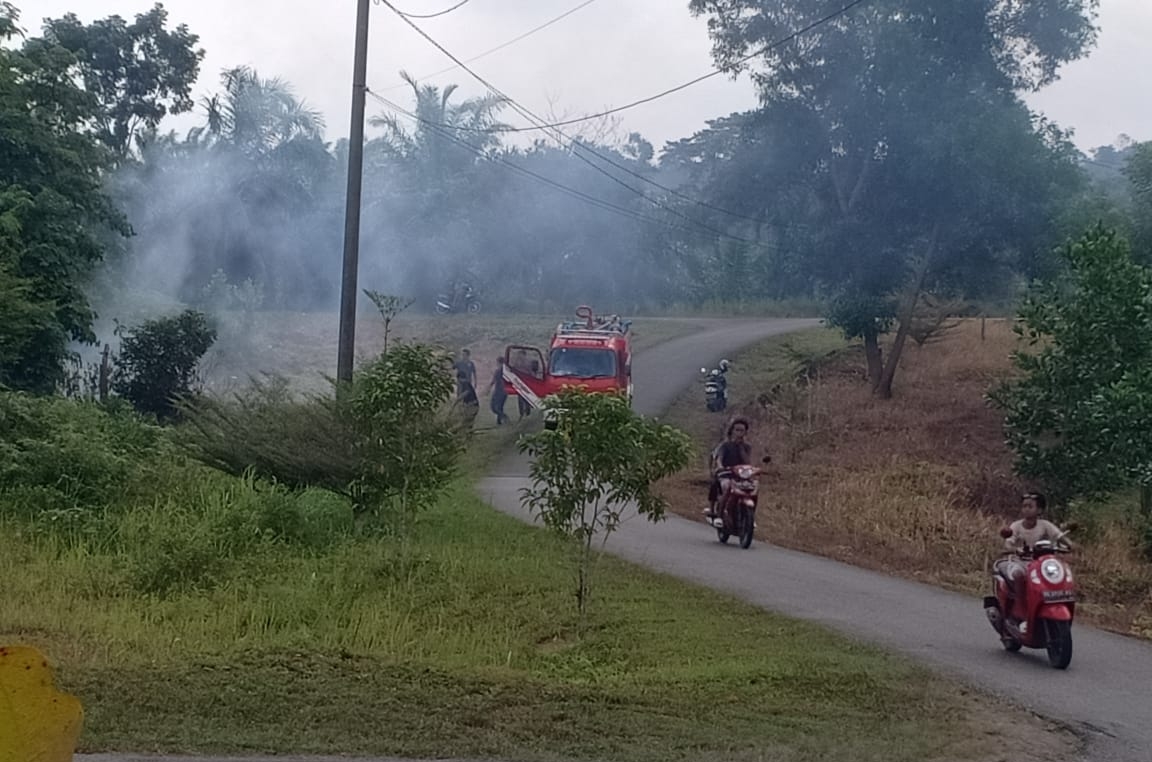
(348, 289)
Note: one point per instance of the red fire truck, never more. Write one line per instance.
(592, 352)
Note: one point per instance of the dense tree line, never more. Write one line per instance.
(891, 156)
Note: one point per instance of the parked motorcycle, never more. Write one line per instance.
(736, 508)
(466, 300)
(1044, 618)
(716, 387)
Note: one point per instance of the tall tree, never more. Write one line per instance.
(248, 193)
(429, 144)
(1080, 415)
(422, 185)
(139, 72)
(52, 208)
(257, 115)
(921, 160)
(1138, 170)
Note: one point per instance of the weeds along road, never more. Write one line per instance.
(1106, 694)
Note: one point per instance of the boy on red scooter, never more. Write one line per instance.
(1028, 530)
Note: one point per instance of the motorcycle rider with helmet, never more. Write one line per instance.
(734, 451)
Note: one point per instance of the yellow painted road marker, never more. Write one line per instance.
(37, 722)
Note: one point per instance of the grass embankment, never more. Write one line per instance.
(458, 642)
(916, 486)
(195, 612)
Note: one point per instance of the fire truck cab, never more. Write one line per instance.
(591, 352)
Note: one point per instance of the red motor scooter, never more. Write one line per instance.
(1044, 618)
(736, 508)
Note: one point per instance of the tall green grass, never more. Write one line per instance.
(196, 612)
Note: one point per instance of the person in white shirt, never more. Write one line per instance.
(1028, 530)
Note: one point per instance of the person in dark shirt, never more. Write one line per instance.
(465, 371)
(499, 395)
(732, 452)
(469, 404)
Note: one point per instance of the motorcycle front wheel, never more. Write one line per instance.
(747, 526)
(474, 307)
(1059, 643)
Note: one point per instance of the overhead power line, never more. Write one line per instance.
(501, 46)
(664, 93)
(528, 115)
(502, 161)
(444, 12)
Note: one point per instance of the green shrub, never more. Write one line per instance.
(66, 456)
(193, 536)
(158, 359)
(101, 479)
(386, 443)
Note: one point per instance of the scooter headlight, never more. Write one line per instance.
(1053, 571)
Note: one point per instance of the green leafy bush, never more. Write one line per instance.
(386, 443)
(1079, 416)
(192, 536)
(158, 359)
(601, 457)
(65, 456)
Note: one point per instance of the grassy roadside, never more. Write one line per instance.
(917, 486)
(458, 642)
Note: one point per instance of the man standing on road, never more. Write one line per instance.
(523, 365)
(499, 396)
(465, 371)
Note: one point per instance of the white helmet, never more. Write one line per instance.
(723, 366)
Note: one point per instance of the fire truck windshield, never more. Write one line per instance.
(579, 362)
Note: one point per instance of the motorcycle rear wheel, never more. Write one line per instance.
(1059, 643)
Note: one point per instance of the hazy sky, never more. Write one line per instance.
(610, 52)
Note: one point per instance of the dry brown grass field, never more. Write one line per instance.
(916, 486)
(302, 345)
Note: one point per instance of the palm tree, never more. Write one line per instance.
(433, 145)
(261, 167)
(257, 116)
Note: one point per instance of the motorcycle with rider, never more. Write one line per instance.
(733, 494)
(460, 296)
(716, 387)
(1034, 595)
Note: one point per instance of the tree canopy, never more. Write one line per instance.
(1080, 415)
(890, 157)
(138, 72)
(53, 208)
(898, 137)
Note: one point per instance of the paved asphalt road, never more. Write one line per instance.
(1106, 693)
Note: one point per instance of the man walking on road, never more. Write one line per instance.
(465, 371)
(499, 395)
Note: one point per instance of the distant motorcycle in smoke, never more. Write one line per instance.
(463, 299)
(716, 387)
